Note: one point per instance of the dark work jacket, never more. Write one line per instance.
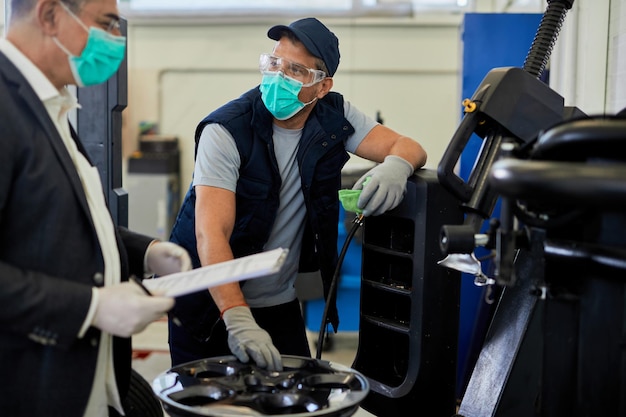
(321, 156)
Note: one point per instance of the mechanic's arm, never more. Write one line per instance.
(382, 141)
(400, 156)
(215, 219)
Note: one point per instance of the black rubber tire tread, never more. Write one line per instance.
(141, 401)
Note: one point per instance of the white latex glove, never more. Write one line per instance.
(386, 186)
(125, 309)
(163, 258)
(247, 340)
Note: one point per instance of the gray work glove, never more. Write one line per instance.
(247, 340)
(386, 186)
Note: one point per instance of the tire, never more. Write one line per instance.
(141, 401)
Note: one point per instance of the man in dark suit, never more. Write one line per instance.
(66, 309)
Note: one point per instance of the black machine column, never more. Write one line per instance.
(99, 126)
(409, 305)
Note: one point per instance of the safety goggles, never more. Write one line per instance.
(307, 76)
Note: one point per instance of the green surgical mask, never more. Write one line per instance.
(101, 57)
(280, 95)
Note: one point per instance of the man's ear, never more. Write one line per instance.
(47, 16)
(327, 84)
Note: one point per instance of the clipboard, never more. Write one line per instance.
(247, 267)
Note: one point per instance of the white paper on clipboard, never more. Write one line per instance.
(247, 267)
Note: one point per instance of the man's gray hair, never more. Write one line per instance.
(20, 8)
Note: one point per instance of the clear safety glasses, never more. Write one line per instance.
(306, 76)
(109, 23)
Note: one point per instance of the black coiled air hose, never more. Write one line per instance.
(541, 48)
(357, 222)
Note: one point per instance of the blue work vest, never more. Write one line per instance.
(321, 156)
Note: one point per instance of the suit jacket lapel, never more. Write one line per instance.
(14, 76)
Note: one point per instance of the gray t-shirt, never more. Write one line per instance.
(217, 165)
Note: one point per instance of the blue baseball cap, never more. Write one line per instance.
(318, 40)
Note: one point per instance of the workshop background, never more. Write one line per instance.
(405, 69)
